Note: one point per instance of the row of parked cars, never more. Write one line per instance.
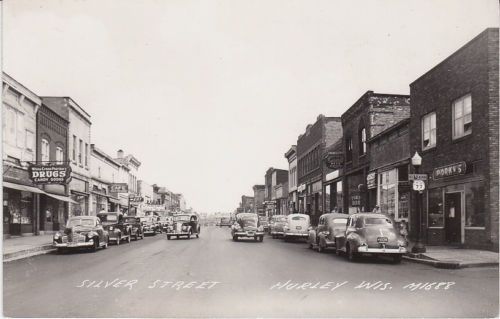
(94, 232)
(352, 235)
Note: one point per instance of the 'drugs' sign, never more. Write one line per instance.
(49, 174)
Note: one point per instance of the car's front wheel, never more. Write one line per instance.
(128, 238)
(261, 238)
(351, 255)
(117, 240)
(106, 242)
(95, 246)
(235, 238)
(168, 237)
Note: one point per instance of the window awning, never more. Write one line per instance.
(62, 198)
(24, 188)
(113, 200)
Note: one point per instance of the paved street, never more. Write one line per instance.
(215, 277)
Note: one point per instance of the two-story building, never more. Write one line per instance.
(127, 174)
(333, 161)
(291, 156)
(454, 127)
(272, 178)
(259, 195)
(104, 173)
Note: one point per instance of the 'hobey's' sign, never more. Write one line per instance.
(450, 170)
(49, 174)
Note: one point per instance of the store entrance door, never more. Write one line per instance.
(453, 217)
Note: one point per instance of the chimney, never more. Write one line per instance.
(119, 154)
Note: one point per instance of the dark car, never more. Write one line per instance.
(184, 225)
(136, 230)
(113, 223)
(371, 234)
(81, 232)
(225, 221)
(329, 227)
(264, 222)
(247, 225)
(149, 225)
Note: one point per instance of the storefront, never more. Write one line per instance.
(334, 198)
(301, 195)
(19, 209)
(356, 192)
(393, 192)
(80, 197)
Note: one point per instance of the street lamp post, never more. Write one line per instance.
(419, 247)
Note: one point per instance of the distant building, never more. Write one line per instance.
(259, 194)
(291, 156)
(273, 177)
(104, 173)
(127, 174)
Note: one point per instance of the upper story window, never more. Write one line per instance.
(462, 116)
(348, 149)
(86, 154)
(30, 140)
(80, 148)
(362, 141)
(59, 155)
(45, 151)
(429, 131)
(13, 127)
(74, 148)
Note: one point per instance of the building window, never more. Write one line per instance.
(59, 155)
(435, 208)
(80, 148)
(74, 148)
(475, 213)
(348, 146)
(45, 151)
(388, 192)
(462, 116)
(9, 125)
(86, 155)
(429, 131)
(362, 142)
(30, 140)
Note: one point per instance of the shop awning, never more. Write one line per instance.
(114, 200)
(25, 188)
(61, 198)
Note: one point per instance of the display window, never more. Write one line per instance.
(475, 212)
(435, 215)
(393, 200)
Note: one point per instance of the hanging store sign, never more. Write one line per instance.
(49, 174)
(334, 160)
(355, 200)
(118, 188)
(371, 180)
(450, 170)
(136, 199)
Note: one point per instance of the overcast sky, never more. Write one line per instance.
(209, 94)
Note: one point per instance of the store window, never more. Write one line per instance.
(45, 151)
(475, 213)
(388, 184)
(462, 116)
(435, 208)
(429, 131)
(340, 197)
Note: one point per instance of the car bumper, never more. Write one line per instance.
(367, 250)
(277, 233)
(182, 233)
(89, 243)
(298, 235)
(248, 234)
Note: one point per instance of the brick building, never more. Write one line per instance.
(333, 161)
(259, 196)
(371, 114)
(291, 156)
(272, 178)
(246, 204)
(310, 151)
(454, 126)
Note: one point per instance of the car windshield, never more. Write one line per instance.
(108, 217)
(298, 218)
(80, 222)
(369, 221)
(181, 218)
(248, 220)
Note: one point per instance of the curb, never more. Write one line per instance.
(449, 264)
(40, 250)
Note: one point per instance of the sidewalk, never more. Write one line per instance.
(453, 257)
(23, 247)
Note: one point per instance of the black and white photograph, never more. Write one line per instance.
(250, 159)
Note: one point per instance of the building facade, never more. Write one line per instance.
(281, 198)
(259, 197)
(371, 114)
(310, 151)
(272, 178)
(127, 174)
(291, 156)
(454, 126)
(104, 173)
(20, 197)
(333, 161)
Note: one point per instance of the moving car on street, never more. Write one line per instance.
(81, 232)
(247, 225)
(184, 225)
(329, 226)
(297, 227)
(136, 230)
(264, 222)
(149, 226)
(118, 231)
(371, 234)
(225, 221)
(276, 226)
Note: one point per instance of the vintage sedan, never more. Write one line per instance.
(184, 225)
(264, 222)
(149, 226)
(329, 227)
(247, 225)
(135, 226)
(297, 226)
(81, 232)
(113, 222)
(276, 225)
(371, 234)
(225, 221)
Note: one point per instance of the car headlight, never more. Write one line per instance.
(110, 227)
(57, 235)
(91, 234)
(401, 243)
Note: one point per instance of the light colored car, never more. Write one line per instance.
(276, 225)
(329, 227)
(247, 225)
(371, 234)
(297, 226)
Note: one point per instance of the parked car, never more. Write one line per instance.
(329, 227)
(371, 234)
(276, 225)
(164, 223)
(225, 221)
(297, 226)
(136, 230)
(247, 225)
(149, 226)
(184, 225)
(81, 232)
(113, 223)
(264, 222)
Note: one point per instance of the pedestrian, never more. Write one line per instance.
(335, 210)
(403, 229)
(376, 210)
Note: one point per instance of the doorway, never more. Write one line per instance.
(453, 217)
